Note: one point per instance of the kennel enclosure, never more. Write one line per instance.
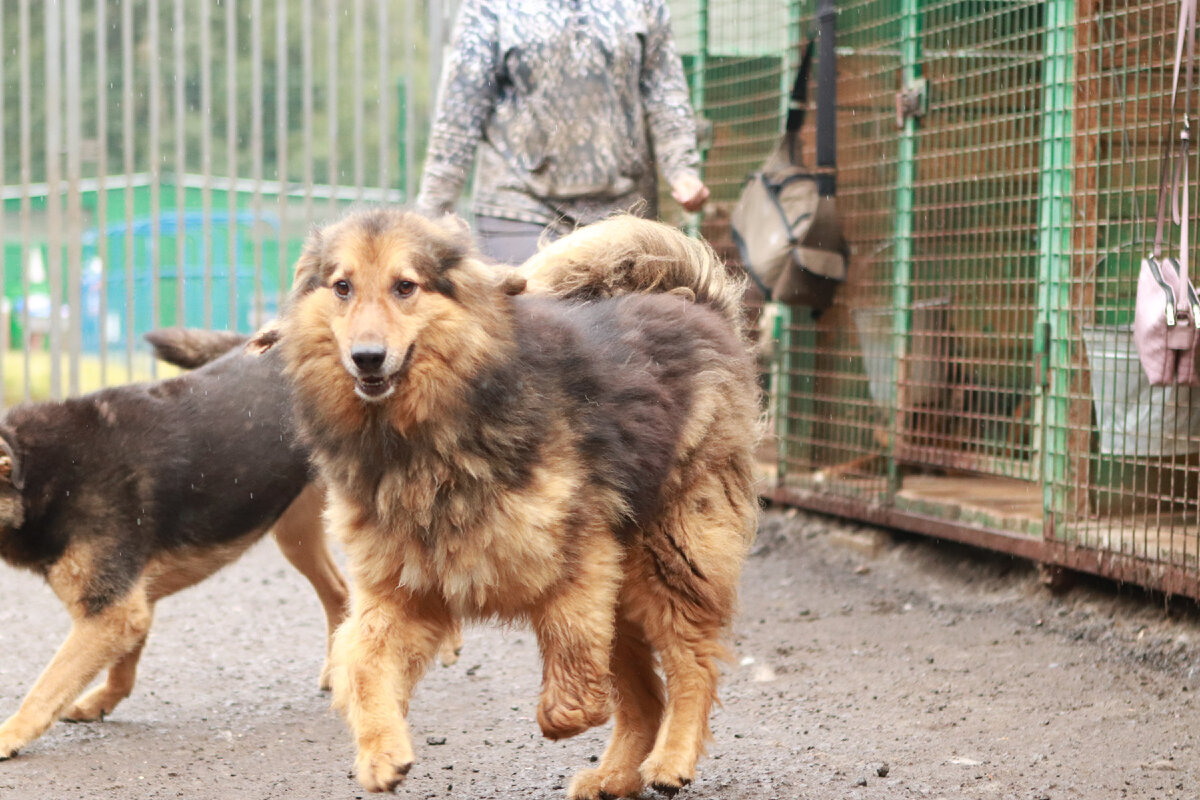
(976, 379)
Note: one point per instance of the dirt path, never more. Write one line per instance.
(866, 667)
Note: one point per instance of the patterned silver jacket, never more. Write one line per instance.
(566, 103)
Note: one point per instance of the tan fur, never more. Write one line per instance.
(95, 642)
(422, 554)
(626, 255)
(115, 637)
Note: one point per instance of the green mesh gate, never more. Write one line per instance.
(976, 378)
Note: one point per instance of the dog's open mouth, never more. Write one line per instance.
(377, 387)
(373, 388)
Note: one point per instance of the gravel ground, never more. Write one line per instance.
(867, 665)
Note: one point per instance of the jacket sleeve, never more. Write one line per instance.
(466, 96)
(665, 98)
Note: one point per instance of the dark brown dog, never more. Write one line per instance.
(582, 462)
(127, 495)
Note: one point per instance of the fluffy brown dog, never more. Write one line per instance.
(580, 462)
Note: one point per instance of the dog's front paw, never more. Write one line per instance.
(595, 784)
(383, 771)
(666, 778)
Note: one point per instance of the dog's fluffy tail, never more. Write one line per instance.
(190, 347)
(629, 255)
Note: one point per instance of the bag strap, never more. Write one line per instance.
(798, 105)
(799, 97)
(1174, 172)
(827, 85)
(826, 91)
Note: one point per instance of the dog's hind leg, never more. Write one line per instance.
(100, 702)
(95, 641)
(689, 659)
(300, 534)
(684, 598)
(575, 629)
(636, 720)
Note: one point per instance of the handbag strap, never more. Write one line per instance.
(798, 105)
(826, 91)
(1174, 170)
(827, 85)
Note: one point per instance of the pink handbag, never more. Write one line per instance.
(1164, 322)
(1167, 311)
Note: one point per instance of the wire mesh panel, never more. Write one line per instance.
(998, 169)
(968, 400)
(1125, 488)
(838, 401)
(925, 365)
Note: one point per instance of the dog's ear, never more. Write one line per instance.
(454, 225)
(10, 465)
(307, 275)
(264, 338)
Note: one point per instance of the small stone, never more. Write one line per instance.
(435, 740)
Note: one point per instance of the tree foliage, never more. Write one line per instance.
(344, 37)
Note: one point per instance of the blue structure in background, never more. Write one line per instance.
(239, 315)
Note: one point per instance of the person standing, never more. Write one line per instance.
(566, 109)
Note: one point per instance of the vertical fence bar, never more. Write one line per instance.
(74, 228)
(1055, 222)
(910, 71)
(155, 148)
(53, 132)
(5, 307)
(281, 146)
(256, 150)
(232, 202)
(306, 71)
(403, 85)
(436, 13)
(26, 177)
(699, 67)
(180, 168)
(359, 119)
(785, 335)
(331, 108)
(206, 208)
(409, 182)
(127, 144)
(382, 91)
(102, 183)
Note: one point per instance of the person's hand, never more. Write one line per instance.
(690, 192)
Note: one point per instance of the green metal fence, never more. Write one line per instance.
(975, 379)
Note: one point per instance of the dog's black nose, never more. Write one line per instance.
(368, 357)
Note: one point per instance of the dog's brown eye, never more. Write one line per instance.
(342, 289)
(405, 288)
